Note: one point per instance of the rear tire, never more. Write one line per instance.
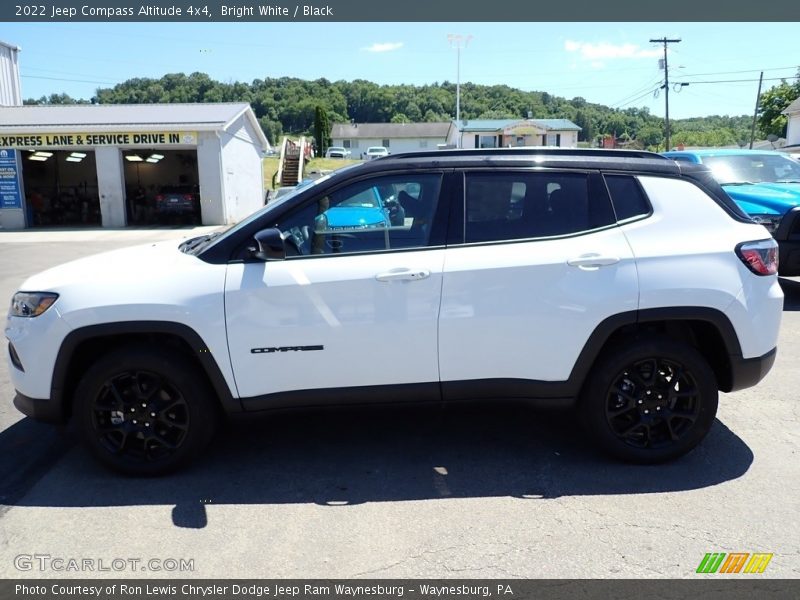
(144, 411)
(649, 400)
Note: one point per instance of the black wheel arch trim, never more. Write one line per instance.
(107, 330)
(603, 332)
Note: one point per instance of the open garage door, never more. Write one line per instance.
(162, 187)
(61, 188)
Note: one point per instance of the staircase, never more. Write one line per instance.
(290, 167)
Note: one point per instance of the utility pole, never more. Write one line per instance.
(755, 114)
(665, 87)
(458, 42)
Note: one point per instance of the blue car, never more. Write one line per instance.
(372, 208)
(766, 185)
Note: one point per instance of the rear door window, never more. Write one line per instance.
(520, 205)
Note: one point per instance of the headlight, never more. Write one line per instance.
(771, 222)
(31, 304)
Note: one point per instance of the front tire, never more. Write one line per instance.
(649, 400)
(144, 411)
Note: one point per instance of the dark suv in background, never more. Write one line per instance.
(181, 201)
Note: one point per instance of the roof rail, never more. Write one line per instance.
(529, 151)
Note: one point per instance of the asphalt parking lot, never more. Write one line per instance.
(467, 492)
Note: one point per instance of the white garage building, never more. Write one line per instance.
(118, 165)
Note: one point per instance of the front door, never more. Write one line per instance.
(356, 302)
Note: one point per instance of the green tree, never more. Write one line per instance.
(773, 102)
(322, 130)
(650, 136)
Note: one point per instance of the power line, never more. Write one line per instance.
(648, 87)
(743, 71)
(741, 80)
(70, 80)
(647, 93)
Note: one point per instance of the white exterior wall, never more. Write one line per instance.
(209, 171)
(111, 185)
(396, 145)
(793, 130)
(10, 89)
(243, 179)
(569, 139)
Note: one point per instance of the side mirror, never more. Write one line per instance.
(269, 245)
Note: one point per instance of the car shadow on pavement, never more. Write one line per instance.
(791, 294)
(353, 456)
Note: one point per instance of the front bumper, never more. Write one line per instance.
(41, 409)
(747, 372)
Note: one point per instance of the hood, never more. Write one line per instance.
(765, 197)
(146, 263)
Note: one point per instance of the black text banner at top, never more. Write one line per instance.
(532, 11)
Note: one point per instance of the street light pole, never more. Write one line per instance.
(665, 87)
(458, 42)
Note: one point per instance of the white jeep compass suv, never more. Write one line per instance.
(622, 284)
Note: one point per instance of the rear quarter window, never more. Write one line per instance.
(627, 197)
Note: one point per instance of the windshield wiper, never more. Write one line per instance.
(195, 243)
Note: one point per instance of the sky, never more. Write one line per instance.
(607, 63)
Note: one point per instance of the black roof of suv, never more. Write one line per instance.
(637, 162)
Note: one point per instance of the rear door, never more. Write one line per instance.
(537, 264)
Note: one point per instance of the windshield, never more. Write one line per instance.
(755, 168)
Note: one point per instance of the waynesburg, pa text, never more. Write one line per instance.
(332, 590)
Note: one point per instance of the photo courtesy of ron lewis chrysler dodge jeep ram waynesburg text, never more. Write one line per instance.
(659, 290)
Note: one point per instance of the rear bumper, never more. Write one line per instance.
(747, 372)
(171, 209)
(41, 409)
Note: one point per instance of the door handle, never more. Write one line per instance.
(403, 275)
(592, 261)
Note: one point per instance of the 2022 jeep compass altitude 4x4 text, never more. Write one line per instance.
(623, 284)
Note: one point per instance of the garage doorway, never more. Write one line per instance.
(161, 187)
(61, 188)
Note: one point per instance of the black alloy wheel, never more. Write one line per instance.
(145, 410)
(649, 399)
(653, 403)
(139, 415)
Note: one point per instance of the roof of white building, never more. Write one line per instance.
(108, 117)
(389, 130)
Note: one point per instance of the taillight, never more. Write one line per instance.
(187, 197)
(760, 257)
(159, 198)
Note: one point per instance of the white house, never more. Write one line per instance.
(793, 129)
(397, 137)
(502, 133)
